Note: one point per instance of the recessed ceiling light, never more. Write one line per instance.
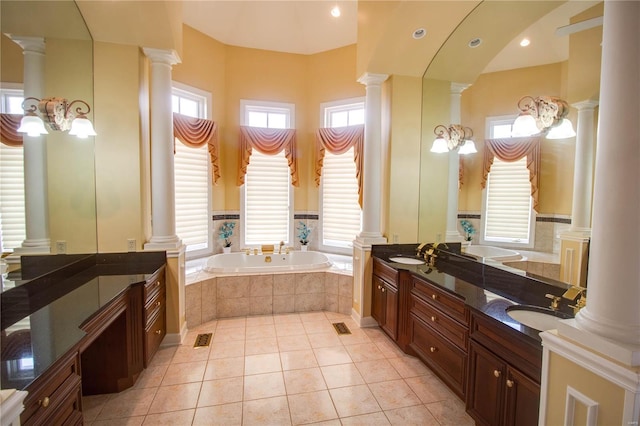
(525, 42)
(419, 33)
(335, 12)
(475, 42)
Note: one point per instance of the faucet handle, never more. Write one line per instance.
(573, 292)
(554, 300)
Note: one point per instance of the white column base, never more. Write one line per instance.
(163, 243)
(367, 239)
(453, 237)
(11, 405)
(39, 246)
(576, 234)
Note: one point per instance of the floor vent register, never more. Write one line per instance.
(341, 328)
(203, 340)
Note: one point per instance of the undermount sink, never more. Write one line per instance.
(406, 260)
(536, 317)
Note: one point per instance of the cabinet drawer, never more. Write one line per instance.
(445, 359)
(385, 272)
(153, 286)
(452, 330)
(154, 333)
(154, 305)
(446, 302)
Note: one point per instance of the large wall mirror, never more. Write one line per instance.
(68, 74)
(482, 53)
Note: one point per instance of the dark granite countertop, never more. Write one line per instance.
(45, 302)
(484, 288)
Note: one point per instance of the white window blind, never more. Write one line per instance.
(192, 179)
(508, 202)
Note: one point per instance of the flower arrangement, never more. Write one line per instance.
(468, 228)
(226, 231)
(303, 233)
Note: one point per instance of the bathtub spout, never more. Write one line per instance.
(280, 248)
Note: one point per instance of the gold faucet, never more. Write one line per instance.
(280, 248)
(419, 249)
(267, 259)
(554, 301)
(579, 293)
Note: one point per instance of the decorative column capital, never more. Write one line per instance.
(458, 88)
(370, 79)
(29, 44)
(168, 57)
(585, 105)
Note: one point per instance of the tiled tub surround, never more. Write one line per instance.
(241, 295)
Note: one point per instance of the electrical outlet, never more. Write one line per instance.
(61, 247)
(395, 238)
(438, 238)
(131, 244)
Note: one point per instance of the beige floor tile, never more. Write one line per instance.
(311, 407)
(163, 356)
(356, 336)
(268, 345)
(450, 412)
(129, 403)
(324, 340)
(373, 419)
(354, 400)
(260, 331)
(335, 422)
(388, 348)
(307, 380)
(92, 405)
(364, 352)
(408, 366)
(264, 386)
(176, 397)
(221, 391)
(341, 375)
(418, 415)
(184, 417)
(429, 389)
(264, 363)
(186, 372)
(295, 360)
(231, 323)
(375, 334)
(293, 343)
(260, 320)
(332, 355)
(336, 316)
(287, 319)
(224, 367)
(151, 377)
(227, 350)
(394, 394)
(187, 353)
(229, 334)
(219, 415)
(377, 371)
(312, 316)
(323, 326)
(128, 421)
(290, 329)
(268, 411)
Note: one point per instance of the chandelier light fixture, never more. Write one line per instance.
(57, 114)
(543, 115)
(453, 138)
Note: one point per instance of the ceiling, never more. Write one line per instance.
(307, 27)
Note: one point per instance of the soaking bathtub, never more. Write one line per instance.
(241, 263)
(498, 254)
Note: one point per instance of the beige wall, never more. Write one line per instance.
(585, 52)
(11, 62)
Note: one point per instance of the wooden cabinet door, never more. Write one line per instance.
(485, 391)
(522, 399)
(377, 299)
(390, 308)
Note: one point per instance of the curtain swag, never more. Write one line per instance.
(195, 133)
(9, 124)
(268, 142)
(339, 140)
(513, 149)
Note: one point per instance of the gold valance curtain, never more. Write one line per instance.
(195, 133)
(268, 142)
(9, 124)
(513, 149)
(337, 141)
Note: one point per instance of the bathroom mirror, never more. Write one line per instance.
(68, 74)
(497, 78)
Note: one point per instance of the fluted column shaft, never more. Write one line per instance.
(583, 168)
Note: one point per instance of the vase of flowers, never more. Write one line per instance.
(303, 235)
(225, 233)
(469, 230)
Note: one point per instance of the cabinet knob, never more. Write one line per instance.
(383, 289)
(158, 303)
(158, 331)
(433, 318)
(496, 373)
(433, 349)
(44, 402)
(158, 284)
(434, 296)
(509, 383)
(379, 287)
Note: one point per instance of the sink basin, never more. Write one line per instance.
(538, 318)
(406, 260)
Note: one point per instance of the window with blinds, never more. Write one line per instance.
(267, 199)
(508, 214)
(341, 218)
(12, 210)
(192, 179)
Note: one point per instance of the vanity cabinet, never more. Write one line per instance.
(384, 298)
(504, 375)
(439, 332)
(56, 396)
(155, 314)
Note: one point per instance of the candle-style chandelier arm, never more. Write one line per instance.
(79, 111)
(58, 114)
(454, 137)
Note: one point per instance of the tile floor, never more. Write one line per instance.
(282, 370)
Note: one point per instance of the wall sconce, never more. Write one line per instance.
(453, 138)
(57, 114)
(543, 114)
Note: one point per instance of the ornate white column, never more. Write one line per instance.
(163, 229)
(35, 154)
(371, 200)
(453, 178)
